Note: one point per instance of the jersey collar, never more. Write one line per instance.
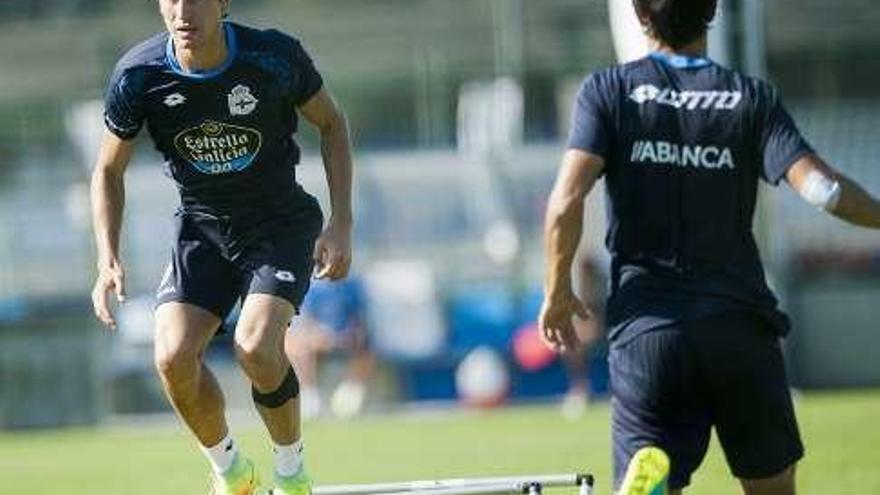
(231, 48)
(680, 61)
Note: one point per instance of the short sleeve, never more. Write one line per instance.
(590, 129)
(123, 104)
(781, 142)
(307, 81)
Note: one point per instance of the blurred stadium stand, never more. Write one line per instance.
(399, 66)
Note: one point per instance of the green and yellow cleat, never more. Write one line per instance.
(298, 484)
(240, 479)
(647, 473)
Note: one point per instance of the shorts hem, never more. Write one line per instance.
(761, 473)
(678, 486)
(190, 302)
(296, 307)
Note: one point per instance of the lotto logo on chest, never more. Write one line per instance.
(241, 101)
(174, 100)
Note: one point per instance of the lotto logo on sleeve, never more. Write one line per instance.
(218, 148)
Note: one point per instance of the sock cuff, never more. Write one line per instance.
(222, 456)
(296, 447)
(289, 458)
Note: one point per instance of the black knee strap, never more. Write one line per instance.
(289, 389)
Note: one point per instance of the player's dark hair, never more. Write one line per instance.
(676, 23)
(225, 13)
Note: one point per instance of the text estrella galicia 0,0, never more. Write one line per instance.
(218, 148)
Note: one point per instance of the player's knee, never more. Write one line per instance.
(176, 361)
(259, 355)
(179, 343)
(175, 356)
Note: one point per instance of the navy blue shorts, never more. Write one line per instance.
(670, 386)
(217, 260)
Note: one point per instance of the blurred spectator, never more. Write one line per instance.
(533, 355)
(332, 322)
(590, 283)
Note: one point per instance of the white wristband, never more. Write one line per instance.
(820, 191)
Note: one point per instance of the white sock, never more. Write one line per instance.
(222, 455)
(288, 458)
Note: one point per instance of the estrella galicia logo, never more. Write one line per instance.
(219, 148)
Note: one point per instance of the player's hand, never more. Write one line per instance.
(333, 251)
(556, 323)
(111, 278)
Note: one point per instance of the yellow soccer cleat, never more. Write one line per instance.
(240, 479)
(647, 473)
(298, 484)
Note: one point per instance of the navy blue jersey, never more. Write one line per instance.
(226, 134)
(685, 142)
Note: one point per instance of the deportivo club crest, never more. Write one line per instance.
(241, 101)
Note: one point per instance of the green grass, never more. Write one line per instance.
(840, 430)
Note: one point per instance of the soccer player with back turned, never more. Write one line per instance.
(220, 101)
(682, 143)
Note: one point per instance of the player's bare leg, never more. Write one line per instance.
(300, 351)
(302, 345)
(780, 484)
(574, 404)
(259, 348)
(362, 365)
(350, 395)
(183, 331)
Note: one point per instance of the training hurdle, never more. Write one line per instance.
(526, 485)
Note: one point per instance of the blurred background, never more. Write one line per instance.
(459, 111)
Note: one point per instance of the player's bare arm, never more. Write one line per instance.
(333, 247)
(821, 185)
(562, 233)
(108, 199)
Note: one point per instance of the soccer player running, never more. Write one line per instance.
(220, 101)
(694, 329)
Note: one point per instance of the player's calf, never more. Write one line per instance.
(780, 484)
(290, 475)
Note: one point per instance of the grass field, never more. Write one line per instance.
(840, 430)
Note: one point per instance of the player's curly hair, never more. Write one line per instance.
(676, 23)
